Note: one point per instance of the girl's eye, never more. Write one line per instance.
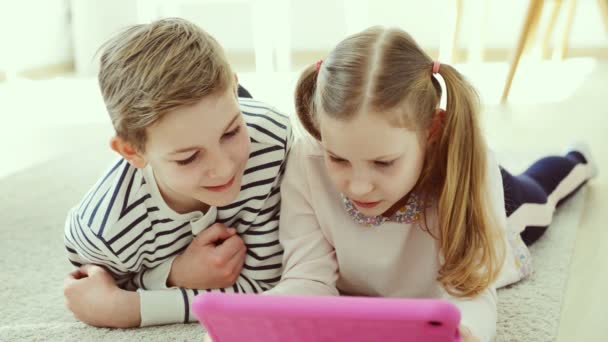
(384, 163)
(187, 160)
(338, 160)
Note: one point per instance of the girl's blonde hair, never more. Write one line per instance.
(384, 71)
(147, 70)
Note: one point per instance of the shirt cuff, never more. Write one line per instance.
(164, 307)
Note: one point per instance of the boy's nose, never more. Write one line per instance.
(221, 168)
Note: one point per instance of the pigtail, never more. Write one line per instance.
(469, 236)
(304, 100)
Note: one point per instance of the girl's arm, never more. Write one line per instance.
(478, 314)
(309, 261)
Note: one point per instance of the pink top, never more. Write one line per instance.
(328, 253)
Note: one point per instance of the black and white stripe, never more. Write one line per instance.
(118, 225)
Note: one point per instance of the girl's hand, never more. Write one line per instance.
(467, 335)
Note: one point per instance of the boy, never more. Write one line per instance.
(194, 201)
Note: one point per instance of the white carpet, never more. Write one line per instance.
(531, 309)
(33, 263)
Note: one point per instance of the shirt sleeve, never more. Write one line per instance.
(478, 314)
(85, 247)
(309, 260)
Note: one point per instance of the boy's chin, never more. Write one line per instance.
(220, 200)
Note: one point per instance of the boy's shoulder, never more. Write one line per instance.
(265, 124)
(120, 197)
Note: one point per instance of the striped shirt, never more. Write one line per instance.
(124, 225)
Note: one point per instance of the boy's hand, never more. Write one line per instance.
(94, 298)
(467, 335)
(214, 259)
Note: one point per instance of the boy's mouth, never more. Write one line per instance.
(221, 188)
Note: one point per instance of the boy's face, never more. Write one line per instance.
(199, 153)
(371, 162)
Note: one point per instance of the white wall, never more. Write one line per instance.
(94, 22)
(319, 24)
(34, 33)
(39, 32)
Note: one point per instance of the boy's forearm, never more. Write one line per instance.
(127, 309)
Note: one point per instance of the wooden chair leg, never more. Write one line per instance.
(530, 43)
(550, 28)
(534, 11)
(562, 49)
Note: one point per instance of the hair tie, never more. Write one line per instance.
(436, 66)
(319, 63)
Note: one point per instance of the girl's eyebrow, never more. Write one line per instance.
(388, 156)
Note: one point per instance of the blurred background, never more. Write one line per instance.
(541, 67)
(48, 50)
(548, 49)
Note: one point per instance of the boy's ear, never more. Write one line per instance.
(128, 152)
(236, 85)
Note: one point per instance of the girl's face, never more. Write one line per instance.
(370, 161)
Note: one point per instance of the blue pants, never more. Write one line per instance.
(538, 191)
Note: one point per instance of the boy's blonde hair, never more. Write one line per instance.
(149, 69)
(384, 71)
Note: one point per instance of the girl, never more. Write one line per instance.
(392, 196)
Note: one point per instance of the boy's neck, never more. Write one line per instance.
(178, 203)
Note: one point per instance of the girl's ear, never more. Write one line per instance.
(437, 125)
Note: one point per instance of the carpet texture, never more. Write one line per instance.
(33, 263)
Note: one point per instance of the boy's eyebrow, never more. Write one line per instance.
(391, 156)
(192, 148)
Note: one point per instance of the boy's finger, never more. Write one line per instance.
(90, 270)
(71, 280)
(230, 247)
(238, 260)
(214, 233)
(77, 274)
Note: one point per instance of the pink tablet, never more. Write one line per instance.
(253, 318)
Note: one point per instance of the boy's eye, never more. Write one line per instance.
(232, 133)
(187, 160)
(384, 163)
